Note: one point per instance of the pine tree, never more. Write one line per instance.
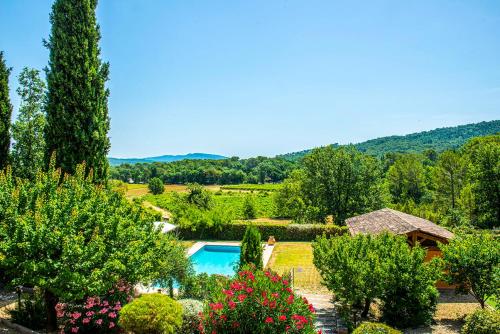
(77, 99)
(27, 131)
(251, 248)
(5, 112)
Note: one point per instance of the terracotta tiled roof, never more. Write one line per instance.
(388, 220)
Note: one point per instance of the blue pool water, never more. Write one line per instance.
(213, 259)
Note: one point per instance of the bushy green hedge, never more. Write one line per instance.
(482, 321)
(282, 232)
(375, 328)
(152, 314)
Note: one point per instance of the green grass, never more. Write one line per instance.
(296, 255)
(253, 187)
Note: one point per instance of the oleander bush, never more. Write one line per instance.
(257, 302)
(482, 321)
(96, 314)
(152, 314)
(375, 328)
(191, 309)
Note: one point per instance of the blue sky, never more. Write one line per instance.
(267, 77)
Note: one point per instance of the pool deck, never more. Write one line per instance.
(266, 254)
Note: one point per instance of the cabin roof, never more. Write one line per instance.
(388, 220)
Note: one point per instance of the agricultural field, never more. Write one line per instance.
(230, 200)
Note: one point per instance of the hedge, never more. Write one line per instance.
(281, 232)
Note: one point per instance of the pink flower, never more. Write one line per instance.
(86, 320)
(76, 315)
(269, 320)
(241, 298)
(89, 313)
(74, 329)
(111, 324)
(99, 322)
(112, 315)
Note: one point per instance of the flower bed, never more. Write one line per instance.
(97, 314)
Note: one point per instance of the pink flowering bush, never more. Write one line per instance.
(257, 302)
(97, 314)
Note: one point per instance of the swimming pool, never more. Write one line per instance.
(216, 259)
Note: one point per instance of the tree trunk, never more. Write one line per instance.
(50, 305)
(366, 308)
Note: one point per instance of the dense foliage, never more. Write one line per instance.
(191, 309)
(249, 209)
(472, 262)
(5, 112)
(77, 100)
(251, 248)
(337, 182)
(73, 239)
(225, 171)
(257, 302)
(152, 314)
(435, 140)
(156, 186)
(482, 321)
(28, 148)
(363, 268)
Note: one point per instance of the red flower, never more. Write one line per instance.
(269, 320)
(282, 318)
(241, 298)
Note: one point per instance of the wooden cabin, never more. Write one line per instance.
(417, 229)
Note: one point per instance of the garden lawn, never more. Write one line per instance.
(297, 255)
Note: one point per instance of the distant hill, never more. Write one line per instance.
(166, 158)
(439, 139)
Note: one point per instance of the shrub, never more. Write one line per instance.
(375, 328)
(156, 186)
(251, 248)
(199, 286)
(482, 321)
(282, 232)
(249, 209)
(257, 302)
(97, 314)
(191, 308)
(152, 314)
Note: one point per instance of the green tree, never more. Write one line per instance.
(29, 146)
(341, 182)
(251, 248)
(77, 100)
(484, 156)
(156, 186)
(73, 239)
(199, 196)
(406, 179)
(363, 268)
(5, 112)
(449, 177)
(472, 262)
(249, 209)
(288, 198)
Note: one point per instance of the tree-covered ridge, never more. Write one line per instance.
(226, 171)
(440, 139)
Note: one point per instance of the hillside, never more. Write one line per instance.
(166, 158)
(438, 139)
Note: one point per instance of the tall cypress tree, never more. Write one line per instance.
(5, 112)
(77, 99)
